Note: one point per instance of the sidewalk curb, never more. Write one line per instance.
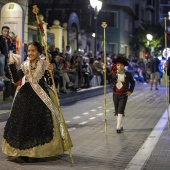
(70, 98)
(143, 154)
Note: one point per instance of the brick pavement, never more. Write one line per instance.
(160, 157)
(93, 148)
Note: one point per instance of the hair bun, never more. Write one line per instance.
(38, 45)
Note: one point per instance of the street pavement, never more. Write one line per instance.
(143, 145)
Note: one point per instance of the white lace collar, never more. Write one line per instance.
(36, 75)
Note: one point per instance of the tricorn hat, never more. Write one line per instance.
(122, 60)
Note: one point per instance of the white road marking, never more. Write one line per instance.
(85, 113)
(93, 110)
(100, 114)
(107, 110)
(71, 129)
(82, 123)
(67, 121)
(100, 107)
(91, 118)
(77, 117)
(143, 154)
(4, 111)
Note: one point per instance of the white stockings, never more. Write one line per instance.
(119, 121)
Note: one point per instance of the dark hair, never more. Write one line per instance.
(5, 27)
(91, 60)
(37, 45)
(67, 46)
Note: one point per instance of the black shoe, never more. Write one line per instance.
(121, 129)
(118, 131)
(24, 158)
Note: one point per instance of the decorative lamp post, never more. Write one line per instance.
(97, 5)
(149, 38)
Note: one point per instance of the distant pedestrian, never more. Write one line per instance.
(154, 68)
(123, 86)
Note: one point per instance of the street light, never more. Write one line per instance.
(97, 5)
(149, 38)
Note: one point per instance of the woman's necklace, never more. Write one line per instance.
(33, 68)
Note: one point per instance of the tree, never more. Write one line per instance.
(157, 31)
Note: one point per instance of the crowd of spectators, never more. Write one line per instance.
(74, 71)
(142, 70)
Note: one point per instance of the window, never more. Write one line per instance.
(150, 2)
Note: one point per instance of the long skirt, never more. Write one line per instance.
(31, 129)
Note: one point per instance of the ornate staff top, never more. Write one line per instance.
(104, 25)
(35, 9)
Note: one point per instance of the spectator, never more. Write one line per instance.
(68, 50)
(78, 71)
(138, 75)
(2, 67)
(2, 85)
(154, 67)
(5, 47)
(87, 74)
(98, 65)
(56, 70)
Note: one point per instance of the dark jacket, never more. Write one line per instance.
(129, 81)
(154, 65)
(3, 48)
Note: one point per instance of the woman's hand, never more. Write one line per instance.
(11, 60)
(50, 67)
(128, 93)
(104, 67)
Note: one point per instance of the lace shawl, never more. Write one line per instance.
(42, 65)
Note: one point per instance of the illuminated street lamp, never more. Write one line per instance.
(149, 38)
(169, 15)
(97, 5)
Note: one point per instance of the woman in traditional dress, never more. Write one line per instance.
(33, 129)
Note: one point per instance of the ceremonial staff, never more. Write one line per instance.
(67, 141)
(166, 77)
(104, 25)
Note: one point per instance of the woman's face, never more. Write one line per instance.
(32, 53)
(120, 67)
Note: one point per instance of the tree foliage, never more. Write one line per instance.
(157, 31)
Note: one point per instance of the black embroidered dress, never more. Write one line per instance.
(31, 129)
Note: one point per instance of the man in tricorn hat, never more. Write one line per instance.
(123, 86)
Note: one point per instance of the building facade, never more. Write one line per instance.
(24, 6)
(122, 17)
